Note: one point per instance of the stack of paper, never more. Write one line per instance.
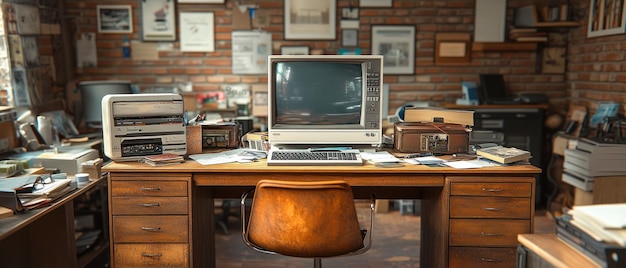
(592, 159)
(604, 222)
(163, 159)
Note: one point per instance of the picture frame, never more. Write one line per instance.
(310, 20)
(397, 44)
(375, 3)
(201, 1)
(452, 48)
(349, 37)
(294, 50)
(158, 20)
(197, 31)
(115, 18)
(606, 17)
(553, 60)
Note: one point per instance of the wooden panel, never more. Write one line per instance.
(151, 255)
(122, 205)
(463, 257)
(491, 189)
(504, 46)
(490, 207)
(149, 188)
(166, 229)
(490, 233)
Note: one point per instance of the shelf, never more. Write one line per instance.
(504, 46)
(547, 24)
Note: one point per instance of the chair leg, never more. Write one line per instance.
(317, 263)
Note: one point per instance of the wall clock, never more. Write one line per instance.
(553, 60)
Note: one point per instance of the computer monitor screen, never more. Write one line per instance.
(92, 93)
(325, 99)
(493, 87)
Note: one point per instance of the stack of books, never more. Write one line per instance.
(598, 231)
(504, 155)
(163, 159)
(590, 159)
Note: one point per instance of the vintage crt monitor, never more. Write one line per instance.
(92, 92)
(325, 100)
(137, 125)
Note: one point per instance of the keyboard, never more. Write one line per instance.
(306, 157)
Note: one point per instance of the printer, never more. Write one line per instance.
(136, 125)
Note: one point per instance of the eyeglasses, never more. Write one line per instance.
(38, 184)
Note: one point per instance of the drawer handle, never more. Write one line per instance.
(149, 255)
(488, 260)
(150, 188)
(492, 190)
(151, 229)
(492, 209)
(490, 234)
(150, 205)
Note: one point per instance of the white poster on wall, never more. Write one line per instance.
(250, 51)
(197, 33)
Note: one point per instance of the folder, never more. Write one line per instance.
(9, 199)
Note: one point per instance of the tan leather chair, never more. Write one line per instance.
(304, 219)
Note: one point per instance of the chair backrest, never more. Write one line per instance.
(304, 219)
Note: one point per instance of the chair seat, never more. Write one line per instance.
(304, 219)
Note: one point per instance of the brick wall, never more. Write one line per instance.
(596, 68)
(430, 82)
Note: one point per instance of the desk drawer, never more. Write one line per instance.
(151, 255)
(149, 205)
(490, 207)
(149, 188)
(491, 189)
(168, 229)
(479, 232)
(462, 257)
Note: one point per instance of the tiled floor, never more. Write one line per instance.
(396, 244)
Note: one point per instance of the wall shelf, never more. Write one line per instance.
(548, 24)
(504, 46)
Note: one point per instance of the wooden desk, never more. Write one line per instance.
(45, 237)
(468, 216)
(548, 251)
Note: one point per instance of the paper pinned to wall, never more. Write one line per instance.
(86, 55)
(144, 50)
(250, 51)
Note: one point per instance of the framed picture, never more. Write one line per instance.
(349, 37)
(310, 20)
(294, 50)
(158, 20)
(115, 19)
(452, 48)
(397, 44)
(606, 17)
(201, 1)
(553, 60)
(376, 3)
(197, 33)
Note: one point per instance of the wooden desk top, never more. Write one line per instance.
(368, 174)
(551, 249)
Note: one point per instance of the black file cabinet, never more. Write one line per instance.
(513, 127)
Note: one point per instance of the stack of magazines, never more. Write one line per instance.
(597, 231)
(163, 159)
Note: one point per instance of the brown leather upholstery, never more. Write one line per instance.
(304, 219)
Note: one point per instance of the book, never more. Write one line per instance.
(605, 221)
(587, 161)
(504, 155)
(595, 147)
(163, 159)
(51, 190)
